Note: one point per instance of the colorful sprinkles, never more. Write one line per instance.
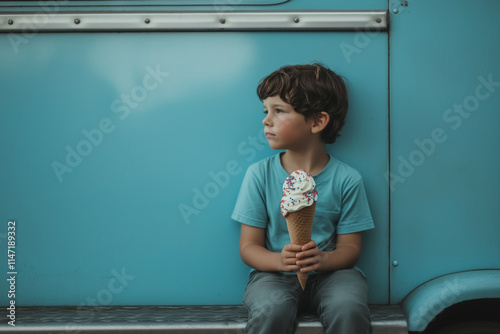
(299, 191)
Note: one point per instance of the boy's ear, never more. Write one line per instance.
(320, 122)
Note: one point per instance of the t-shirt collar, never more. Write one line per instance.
(317, 178)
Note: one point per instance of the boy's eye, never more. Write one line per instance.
(279, 110)
(265, 111)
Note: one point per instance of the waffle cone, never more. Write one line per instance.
(300, 224)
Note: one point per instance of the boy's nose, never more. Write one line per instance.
(266, 121)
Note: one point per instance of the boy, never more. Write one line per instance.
(305, 107)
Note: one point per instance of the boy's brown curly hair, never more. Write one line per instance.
(310, 89)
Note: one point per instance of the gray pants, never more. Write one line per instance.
(339, 298)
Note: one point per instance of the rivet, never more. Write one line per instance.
(147, 21)
(222, 20)
(296, 20)
(77, 21)
(378, 20)
(10, 22)
(395, 10)
(395, 263)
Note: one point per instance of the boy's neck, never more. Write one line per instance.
(313, 160)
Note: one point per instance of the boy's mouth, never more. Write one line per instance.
(269, 134)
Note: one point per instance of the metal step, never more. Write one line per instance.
(224, 319)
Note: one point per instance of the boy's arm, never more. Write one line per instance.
(254, 253)
(346, 254)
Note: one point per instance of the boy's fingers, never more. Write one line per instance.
(293, 248)
(308, 253)
(309, 245)
(308, 269)
(291, 266)
(307, 261)
(290, 260)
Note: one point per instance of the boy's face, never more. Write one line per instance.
(283, 126)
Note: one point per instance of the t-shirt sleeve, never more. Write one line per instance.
(250, 208)
(355, 214)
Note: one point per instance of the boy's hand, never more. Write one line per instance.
(289, 258)
(310, 257)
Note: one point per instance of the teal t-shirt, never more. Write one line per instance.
(341, 207)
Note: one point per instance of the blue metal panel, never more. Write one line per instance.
(445, 98)
(150, 3)
(134, 4)
(122, 155)
(210, 5)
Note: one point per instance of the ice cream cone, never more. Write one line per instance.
(300, 224)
